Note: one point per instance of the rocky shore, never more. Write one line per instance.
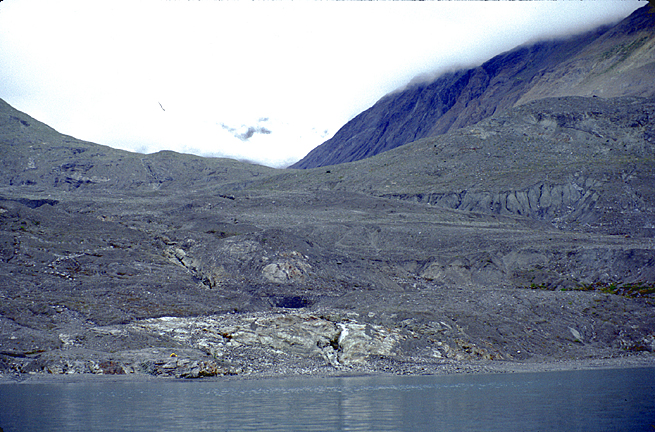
(455, 337)
(155, 365)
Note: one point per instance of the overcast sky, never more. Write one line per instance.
(260, 81)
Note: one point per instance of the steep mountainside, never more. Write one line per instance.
(616, 61)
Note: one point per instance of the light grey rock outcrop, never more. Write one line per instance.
(307, 335)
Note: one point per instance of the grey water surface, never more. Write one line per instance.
(582, 400)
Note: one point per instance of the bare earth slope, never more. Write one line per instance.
(608, 62)
(463, 251)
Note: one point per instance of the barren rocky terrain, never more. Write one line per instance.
(526, 239)
(612, 61)
(496, 228)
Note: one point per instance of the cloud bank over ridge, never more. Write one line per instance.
(198, 77)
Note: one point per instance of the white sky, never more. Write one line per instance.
(292, 72)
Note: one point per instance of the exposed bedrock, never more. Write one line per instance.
(451, 327)
(579, 205)
(542, 201)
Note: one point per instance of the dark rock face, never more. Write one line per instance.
(612, 62)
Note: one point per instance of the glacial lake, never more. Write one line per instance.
(583, 400)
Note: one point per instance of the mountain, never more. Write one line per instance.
(527, 237)
(514, 227)
(608, 62)
(36, 156)
(579, 163)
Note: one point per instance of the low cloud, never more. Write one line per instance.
(244, 133)
(251, 131)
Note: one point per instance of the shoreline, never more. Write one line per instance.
(645, 360)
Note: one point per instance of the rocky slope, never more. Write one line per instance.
(608, 62)
(579, 163)
(38, 158)
(525, 238)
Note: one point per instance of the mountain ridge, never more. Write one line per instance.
(62, 161)
(528, 72)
